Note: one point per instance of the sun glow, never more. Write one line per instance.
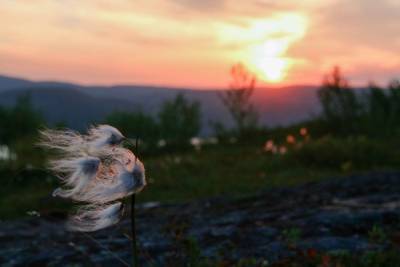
(263, 44)
(267, 58)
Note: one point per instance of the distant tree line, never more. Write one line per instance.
(178, 120)
(19, 121)
(18, 132)
(374, 111)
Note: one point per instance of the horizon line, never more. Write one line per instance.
(154, 86)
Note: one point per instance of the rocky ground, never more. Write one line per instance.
(350, 214)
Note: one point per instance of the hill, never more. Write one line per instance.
(79, 105)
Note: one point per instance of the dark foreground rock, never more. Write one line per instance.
(351, 214)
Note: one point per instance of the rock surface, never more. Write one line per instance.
(352, 214)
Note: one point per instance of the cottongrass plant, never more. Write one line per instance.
(97, 172)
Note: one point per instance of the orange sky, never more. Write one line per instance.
(191, 43)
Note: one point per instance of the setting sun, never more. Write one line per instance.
(262, 44)
(193, 44)
(267, 58)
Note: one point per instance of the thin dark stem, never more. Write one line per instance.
(133, 227)
(135, 260)
(137, 147)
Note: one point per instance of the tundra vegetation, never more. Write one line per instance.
(357, 131)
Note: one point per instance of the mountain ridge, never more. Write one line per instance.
(80, 105)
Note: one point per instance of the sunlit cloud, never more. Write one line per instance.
(193, 43)
(262, 44)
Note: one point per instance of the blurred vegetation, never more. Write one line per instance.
(340, 106)
(179, 120)
(357, 131)
(237, 100)
(374, 111)
(18, 132)
(136, 125)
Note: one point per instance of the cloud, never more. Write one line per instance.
(368, 22)
(119, 35)
(203, 5)
(353, 35)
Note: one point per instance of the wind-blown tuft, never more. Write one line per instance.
(91, 218)
(94, 169)
(67, 142)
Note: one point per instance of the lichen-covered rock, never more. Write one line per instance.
(353, 214)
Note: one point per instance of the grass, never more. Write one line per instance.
(214, 171)
(232, 171)
(229, 170)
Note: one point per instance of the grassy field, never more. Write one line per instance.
(218, 170)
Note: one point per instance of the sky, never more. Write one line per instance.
(191, 43)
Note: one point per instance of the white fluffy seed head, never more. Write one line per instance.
(79, 173)
(70, 143)
(65, 142)
(91, 218)
(94, 169)
(104, 136)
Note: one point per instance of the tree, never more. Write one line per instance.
(4, 117)
(377, 111)
(19, 129)
(135, 125)
(340, 106)
(179, 120)
(20, 121)
(237, 99)
(394, 95)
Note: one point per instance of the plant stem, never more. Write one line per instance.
(133, 228)
(135, 260)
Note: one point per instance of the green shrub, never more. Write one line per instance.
(347, 153)
(179, 119)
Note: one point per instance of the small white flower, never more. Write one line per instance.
(33, 213)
